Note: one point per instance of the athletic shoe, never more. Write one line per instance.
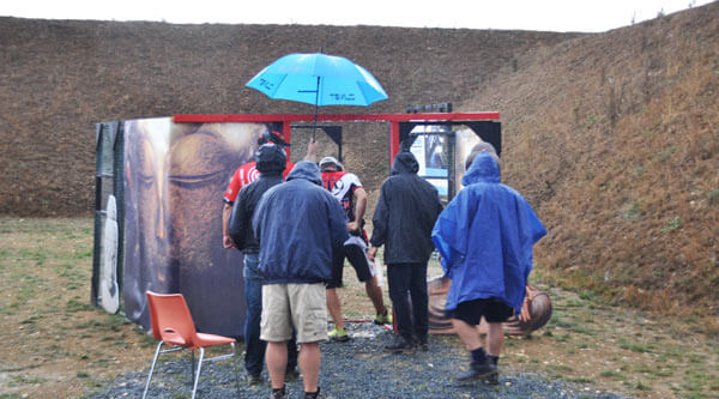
(284, 393)
(339, 334)
(316, 395)
(385, 318)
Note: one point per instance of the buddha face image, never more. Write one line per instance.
(175, 176)
(146, 263)
(200, 164)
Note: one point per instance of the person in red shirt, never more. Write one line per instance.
(247, 173)
(347, 189)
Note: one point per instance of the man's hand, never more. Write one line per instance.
(312, 148)
(227, 242)
(352, 227)
(524, 314)
(371, 253)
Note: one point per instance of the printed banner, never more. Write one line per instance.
(175, 176)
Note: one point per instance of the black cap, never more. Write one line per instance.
(270, 158)
(272, 137)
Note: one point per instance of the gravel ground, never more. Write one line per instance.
(355, 369)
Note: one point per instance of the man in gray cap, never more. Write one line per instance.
(347, 188)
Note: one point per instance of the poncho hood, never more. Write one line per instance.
(484, 169)
(306, 170)
(405, 163)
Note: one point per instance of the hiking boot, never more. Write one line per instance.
(485, 371)
(384, 318)
(316, 395)
(339, 334)
(280, 393)
(422, 344)
(400, 345)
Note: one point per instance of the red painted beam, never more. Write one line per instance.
(393, 141)
(264, 118)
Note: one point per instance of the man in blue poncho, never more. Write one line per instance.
(485, 237)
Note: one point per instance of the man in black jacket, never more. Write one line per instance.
(406, 211)
(270, 162)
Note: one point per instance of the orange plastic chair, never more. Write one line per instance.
(172, 325)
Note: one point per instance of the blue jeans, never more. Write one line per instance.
(254, 346)
(408, 292)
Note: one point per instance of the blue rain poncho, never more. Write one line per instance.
(485, 237)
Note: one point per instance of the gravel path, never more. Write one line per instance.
(355, 369)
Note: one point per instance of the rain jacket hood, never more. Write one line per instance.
(405, 163)
(404, 215)
(306, 170)
(485, 236)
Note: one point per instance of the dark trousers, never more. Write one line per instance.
(255, 347)
(408, 291)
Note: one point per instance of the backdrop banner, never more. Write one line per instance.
(174, 178)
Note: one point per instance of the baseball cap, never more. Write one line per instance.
(273, 137)
(331, 160)
(270, 157)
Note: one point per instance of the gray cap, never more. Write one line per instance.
(331, 160)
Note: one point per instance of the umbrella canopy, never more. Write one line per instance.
(318, 79)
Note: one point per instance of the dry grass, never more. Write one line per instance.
(56, 343)
(618, 150)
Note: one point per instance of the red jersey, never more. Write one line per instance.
(342, 186)
(245, 175)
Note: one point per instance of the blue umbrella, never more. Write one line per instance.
(318, 79)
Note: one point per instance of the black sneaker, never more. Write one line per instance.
(315, 395)
(400, 345)
(485, 372)
(280, 393)
(492, 379)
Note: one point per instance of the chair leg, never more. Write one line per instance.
(152, 368)
(199, 369)
(237, 367)
(192, 365)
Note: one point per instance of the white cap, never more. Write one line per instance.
(331, 160)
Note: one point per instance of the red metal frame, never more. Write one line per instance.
(393, 119)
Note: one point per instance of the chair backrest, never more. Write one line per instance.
(171, 319)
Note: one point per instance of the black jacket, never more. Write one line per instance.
(240, 223)
(405, 214)
(270, 161)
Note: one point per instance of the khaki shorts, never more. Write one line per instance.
(303, 306)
